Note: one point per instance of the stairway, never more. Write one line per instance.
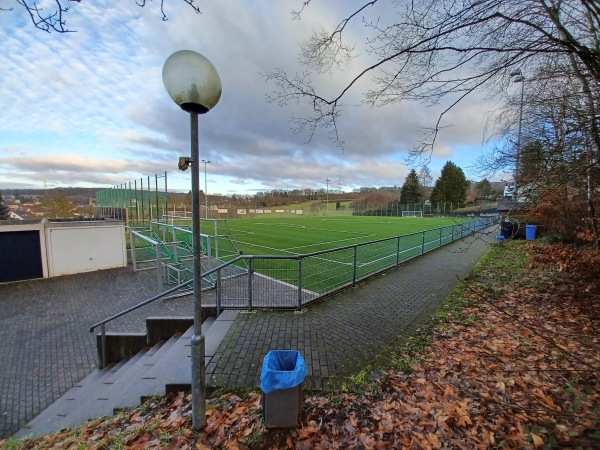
(164, 368)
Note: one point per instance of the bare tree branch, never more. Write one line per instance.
(53, 20)
(47, 21)
(431, 50)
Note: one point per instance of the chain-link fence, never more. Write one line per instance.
(291, 282)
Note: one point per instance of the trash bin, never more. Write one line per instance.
(507, 229)
(281, 379)
(530, 231)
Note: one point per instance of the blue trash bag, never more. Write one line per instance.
(282, 369)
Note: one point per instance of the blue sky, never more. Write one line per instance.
(89, 108)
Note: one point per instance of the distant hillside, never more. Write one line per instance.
(70, 191)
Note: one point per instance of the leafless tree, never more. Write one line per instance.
(53, 19)
(441, 50)
(559, 165)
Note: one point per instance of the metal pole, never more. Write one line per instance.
(327, 202)
(519, 140)
(205, 188)
(133, 250)
(197, 342)
(299, 284)
(159, 268)
(250, 272)
(218, 293)
(354, 263)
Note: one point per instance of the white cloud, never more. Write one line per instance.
(90, 106)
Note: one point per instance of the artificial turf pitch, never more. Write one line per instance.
(285, 235)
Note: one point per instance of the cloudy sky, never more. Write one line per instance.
(89, 108)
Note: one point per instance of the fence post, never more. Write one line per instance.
(174, 236)
(250, 272)
(423, 243)
(159, 268)
(299, 283)
(133, 249)
(441, 231)
(398, 251)
(354, 261)
(452, 232)
(218, 292)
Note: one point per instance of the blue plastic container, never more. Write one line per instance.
(281, 381)
(530, 231)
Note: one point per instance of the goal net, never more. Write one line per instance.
(412, 213)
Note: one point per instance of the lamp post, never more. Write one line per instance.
(194, 84)
(518, 78)
(205, 188)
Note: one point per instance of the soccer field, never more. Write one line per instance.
(299, 235)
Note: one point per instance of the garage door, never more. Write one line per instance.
(20, 256)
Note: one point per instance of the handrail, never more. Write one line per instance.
(139, 305)
(238, 258)
(161, 295)
(218, 269)
(144, 238)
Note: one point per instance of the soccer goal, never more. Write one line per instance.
(412, 213)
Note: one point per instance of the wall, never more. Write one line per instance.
(36, 249)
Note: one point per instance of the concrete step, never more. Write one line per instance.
(101, 400)
(151, 372)
(172, 373)
(48, 420)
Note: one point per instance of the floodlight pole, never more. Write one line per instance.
(205, 187)
(518, 78)
(519, 135)
(327, 202)
(198, 340)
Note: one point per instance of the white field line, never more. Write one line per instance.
(292, 286)
(243, 232)
(279, 224)
(331, 242)
(357, 221)
(265, 247)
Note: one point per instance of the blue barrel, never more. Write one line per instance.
(530, 232)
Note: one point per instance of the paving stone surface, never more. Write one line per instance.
(342, 334)
(45, 345)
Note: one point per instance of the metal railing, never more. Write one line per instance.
(294, 281)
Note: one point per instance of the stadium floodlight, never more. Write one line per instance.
(194, 84)
(518, 77)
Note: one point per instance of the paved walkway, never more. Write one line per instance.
(45, 343)
(46, 347)
(341, 335)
